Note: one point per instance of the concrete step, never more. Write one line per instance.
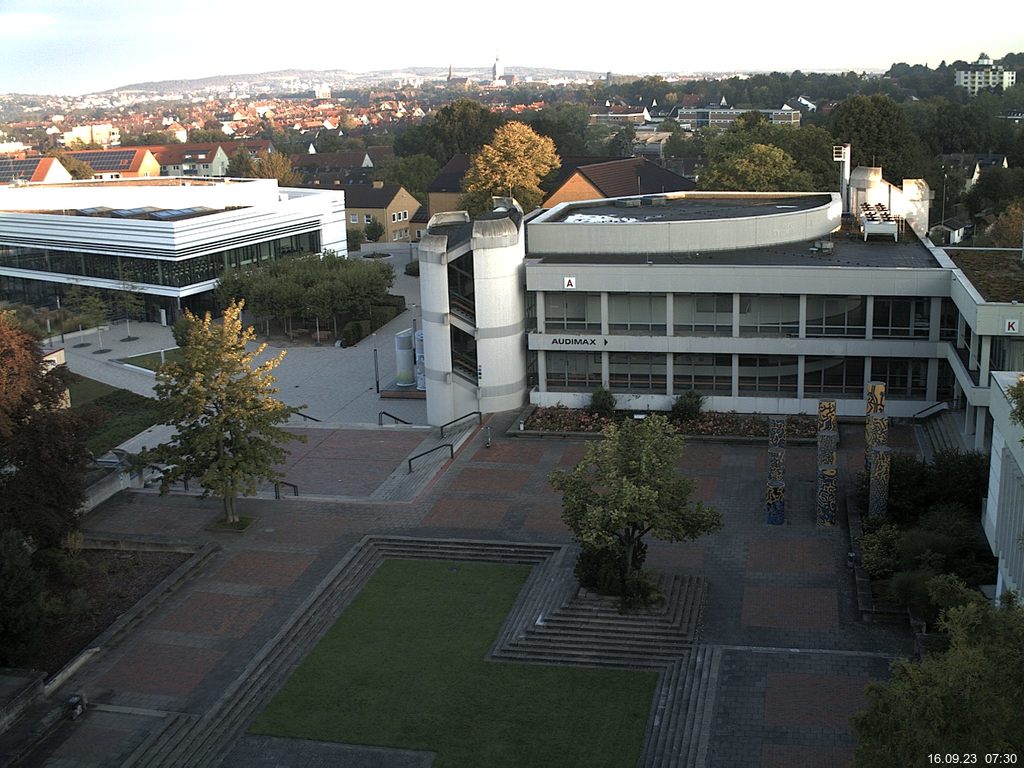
(403, 485)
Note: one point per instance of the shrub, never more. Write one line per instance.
(961, 477)
(21, 587)
(950, 518)
(910, 489)
(181, 328)
(602, 403)
(413, 268)
(688, 406)
(911, 589)
(354, 331)
(879, 551)
(919, 548)
(381, 316)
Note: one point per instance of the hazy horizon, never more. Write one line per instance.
(51, 47)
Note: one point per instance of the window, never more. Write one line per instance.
(896, 316)
(394, 217)
(637, 372)
(708, 374)
(702, 314)
(571, 371)
(636, 313)
(833, 376)
(572, 312)
(836, 316)
(405, 215)
(905, 379)
(769, 315)
(367, 218)
(353, 218)
(768, 375)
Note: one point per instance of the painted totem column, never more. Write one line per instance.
(775, 493)
(875, 409)
(826, 501)
(878, 487)
(825, 496)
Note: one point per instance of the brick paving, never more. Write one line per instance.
(781, 587)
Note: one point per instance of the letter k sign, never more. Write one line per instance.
(1012, 326)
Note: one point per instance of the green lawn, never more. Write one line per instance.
(151, 360)
(405, 666)
(114, 414)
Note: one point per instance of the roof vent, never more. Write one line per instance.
(629, 203)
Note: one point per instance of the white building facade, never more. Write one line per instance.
(170, 238)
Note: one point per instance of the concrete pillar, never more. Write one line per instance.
(541, 315)
(604, 314)
(961, 324)
(802, 332)
(878, 484)
(670, 315)
(969, 416)
(972, 363)
(775, 503)
(827, 421)
(801, 370)
(542, 371)
(735, 375)
(980, 428)
(876, 397)
(932, 390)
(869, 321)
(735, 316)
(669, 383)
(776, 448)
(985, 356)
(867, 374)
(826, 501)
(606, 380)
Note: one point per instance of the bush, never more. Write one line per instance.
(910, 588)
(181, 328)
(602, 403)
(950, 518)
(910, 489)
(354, 237)
(413, 268)
(392, 300)
(961, 477)
(920, 548)
(879, 551)
(355, 331)
(21, 586)
(688, 406)
(381, 316)
(599, 570)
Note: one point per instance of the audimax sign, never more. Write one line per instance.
(575, 341)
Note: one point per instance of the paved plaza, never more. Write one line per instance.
(780, 605)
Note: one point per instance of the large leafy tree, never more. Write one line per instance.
(276, 165)
(628, 486)
(414, 172)
(512, 164)
(42, 451)
(241, 166)
(755, 168)
(229, 435)
(881, 136)
(967, 699)
(461, 127)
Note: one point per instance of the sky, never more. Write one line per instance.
(70, 48)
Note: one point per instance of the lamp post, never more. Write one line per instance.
(376, 368)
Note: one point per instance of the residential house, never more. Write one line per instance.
(389, 204)
(973, 165)
(128, 163)
(616, 178)
(32, 169)
(191, 159)
(445, 190)
(983, 74)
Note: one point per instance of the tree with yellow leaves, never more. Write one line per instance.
(512, 165)
(222, 403)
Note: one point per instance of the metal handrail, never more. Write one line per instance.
(310, 418)
(934, 406)
(478, 414)
(382, 414)
(279, 483)
(449, 446)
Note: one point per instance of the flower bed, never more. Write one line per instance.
(560, 418)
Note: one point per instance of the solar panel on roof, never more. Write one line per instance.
(18, 169)
(109, 160)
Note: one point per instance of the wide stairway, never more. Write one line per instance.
(941, 432)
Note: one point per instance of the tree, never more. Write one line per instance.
(148, 138)
(1008, 229)
(79, 169)
(241, 166)
(628, 486)
(276, 165)
(756, 168)
(513, 164)
(21, 586)
(41, 445)
(90, 307)
(621, 144)
(415, 173)
(223, 406)
(968, 698)
(880, 133)
(461, 127)
(374, 231)
(128, 300)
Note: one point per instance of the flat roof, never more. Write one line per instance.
(998, 275)
(848, 250)
(689, 206)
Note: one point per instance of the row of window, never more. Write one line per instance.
(353, 218)
(177, 273)
(711, 314)
(712, 374)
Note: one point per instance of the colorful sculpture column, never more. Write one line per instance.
(874, 410)
(775, 493)
(826, 494)
(878, 487)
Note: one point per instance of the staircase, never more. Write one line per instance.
(940, 432)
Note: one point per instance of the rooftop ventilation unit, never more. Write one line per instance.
(630, 203)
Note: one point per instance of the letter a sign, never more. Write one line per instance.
(569, 283)
(1012, 326)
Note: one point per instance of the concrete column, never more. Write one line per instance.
(969, 417)
(972, 363)
(961, 324)
(878, 488)
(869, 321)
(542, 371)
(801, 367)
(932, 392)
(670, 314)
(735, 375)
(735, 315)
(867, 374)
(802, 332)
(934, 319)
(606, 381)
(541, 316)
(827, 497)
(985, 356)
(669, 383)
(980, 426)
(775, 503)
(604, 315)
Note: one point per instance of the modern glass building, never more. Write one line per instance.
(169, 239)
